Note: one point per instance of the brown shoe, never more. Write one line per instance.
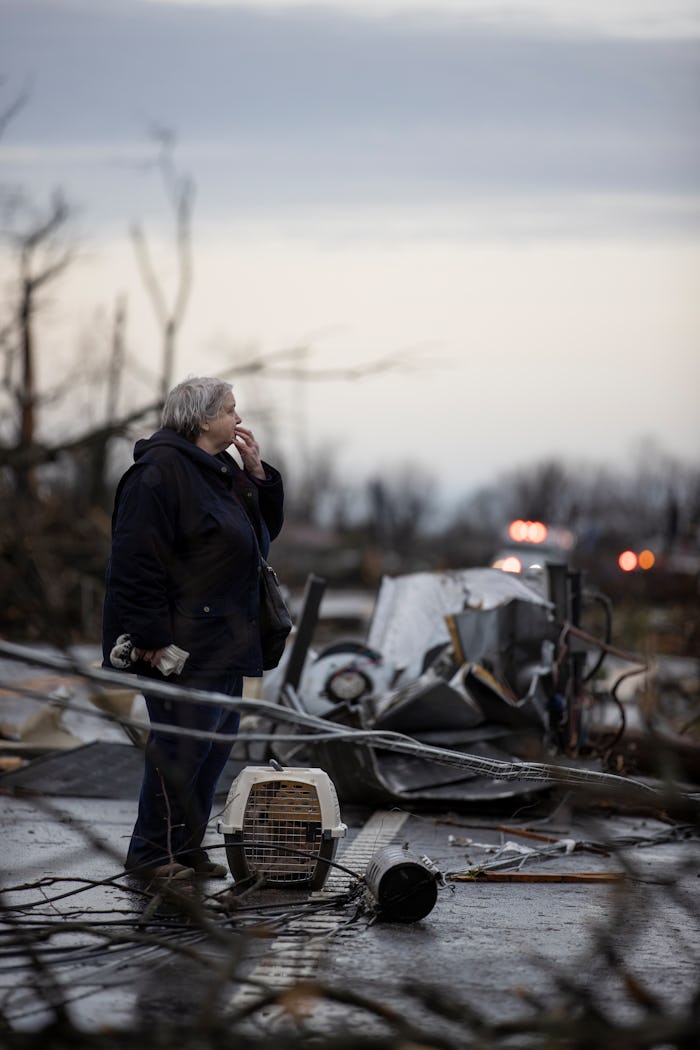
(173, 872)
(204, 868)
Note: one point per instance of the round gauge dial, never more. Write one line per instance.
(348, 683)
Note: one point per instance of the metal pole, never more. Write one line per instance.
(313, 593)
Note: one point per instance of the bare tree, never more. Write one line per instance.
(545, 491)
(169, 312)
(400, 509)
(42, 257)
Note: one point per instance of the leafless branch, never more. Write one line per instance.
(148, 275)
(18, 103)
(397, 360)
(180, 191)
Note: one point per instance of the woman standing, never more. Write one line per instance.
(187, 528)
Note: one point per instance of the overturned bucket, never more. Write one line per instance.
(403, 885)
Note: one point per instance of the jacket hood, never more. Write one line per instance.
(167, 438)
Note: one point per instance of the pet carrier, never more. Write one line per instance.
(281, 827)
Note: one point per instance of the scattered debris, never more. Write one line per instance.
(41, 733)
(8, 763)
(476, 661)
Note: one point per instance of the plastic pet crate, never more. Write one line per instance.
(281, 827)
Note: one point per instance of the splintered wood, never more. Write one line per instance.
(538, 876)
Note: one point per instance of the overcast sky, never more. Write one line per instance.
(507, 192)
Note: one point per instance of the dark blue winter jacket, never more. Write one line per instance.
(184, 561)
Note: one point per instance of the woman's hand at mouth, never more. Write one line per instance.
(249, 449)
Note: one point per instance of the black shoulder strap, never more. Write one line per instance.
(245, 496)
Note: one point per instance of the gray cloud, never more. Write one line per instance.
(320, 105)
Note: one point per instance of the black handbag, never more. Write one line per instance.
(274, 617)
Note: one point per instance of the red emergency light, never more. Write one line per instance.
(527, 531)
(629, 560)
(646, 559)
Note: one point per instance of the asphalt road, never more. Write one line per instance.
(494, 947)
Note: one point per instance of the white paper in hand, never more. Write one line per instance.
(172, 661)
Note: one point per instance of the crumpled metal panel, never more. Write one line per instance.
(409, 614)
(425, 704)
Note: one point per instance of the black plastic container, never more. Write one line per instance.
(403, 884)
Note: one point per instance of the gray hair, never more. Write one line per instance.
(192, 403)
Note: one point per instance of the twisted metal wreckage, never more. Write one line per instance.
(475, 662)
(472, 686)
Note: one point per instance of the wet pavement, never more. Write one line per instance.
(75, 929)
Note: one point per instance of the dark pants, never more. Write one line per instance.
(181, 774)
